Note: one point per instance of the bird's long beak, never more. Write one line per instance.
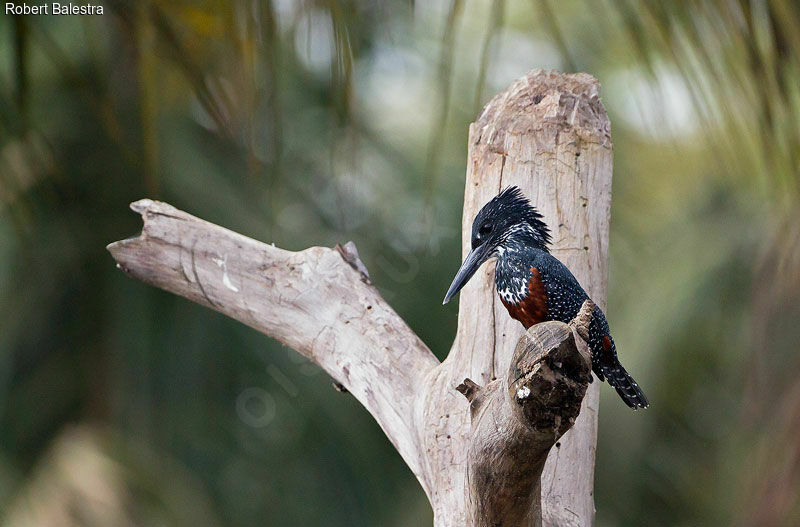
(471, 263)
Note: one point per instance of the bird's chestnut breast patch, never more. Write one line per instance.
(531, 308)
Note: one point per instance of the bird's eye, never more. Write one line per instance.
(485, 229)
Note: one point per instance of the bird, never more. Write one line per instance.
(534, 286)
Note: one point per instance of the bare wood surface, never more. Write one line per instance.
(518, 418)
(318, 301)
(547, 133)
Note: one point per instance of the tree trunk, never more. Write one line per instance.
(549, 134)
(479, 460)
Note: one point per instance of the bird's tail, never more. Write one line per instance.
(626, 387)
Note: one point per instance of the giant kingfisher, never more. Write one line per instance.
(534, 286)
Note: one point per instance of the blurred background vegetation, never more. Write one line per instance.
(315, 122)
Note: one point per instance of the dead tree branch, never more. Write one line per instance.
(479, 460)
(517, 419)
(319, 301)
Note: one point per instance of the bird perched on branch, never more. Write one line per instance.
(534, 286)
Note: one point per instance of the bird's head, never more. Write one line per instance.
(506, 223)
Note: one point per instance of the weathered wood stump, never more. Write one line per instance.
(484, 460)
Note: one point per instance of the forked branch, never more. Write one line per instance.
(479, 460)
(319, 301)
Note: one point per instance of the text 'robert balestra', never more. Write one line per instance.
(53, 9)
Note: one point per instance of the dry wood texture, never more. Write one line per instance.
(549, 134)
(479, 459)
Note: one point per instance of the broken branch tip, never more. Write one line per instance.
(141, 205)
(469, 389)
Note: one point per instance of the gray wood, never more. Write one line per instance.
(480, 458)
(549, 134)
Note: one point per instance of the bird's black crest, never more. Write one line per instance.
(507, 224)
(512, 205)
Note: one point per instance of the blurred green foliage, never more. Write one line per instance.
(315, 122)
